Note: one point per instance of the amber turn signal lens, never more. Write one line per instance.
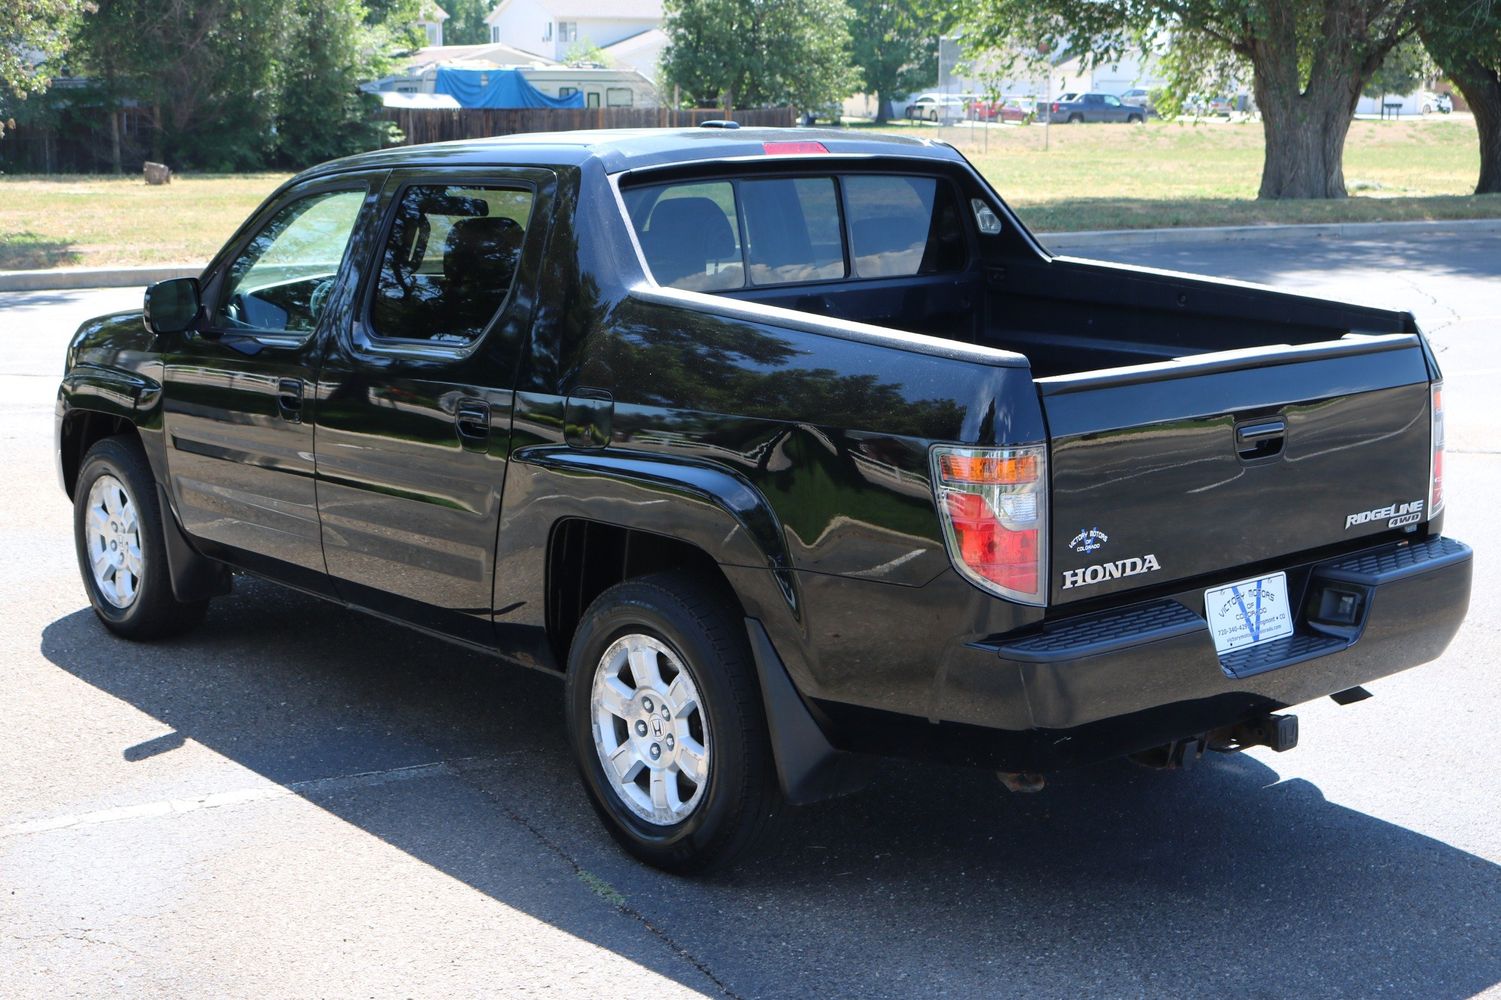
(989, 469)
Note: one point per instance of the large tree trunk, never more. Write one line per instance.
(1481, 87)
(1307, 99)
(1305, 144)
(883, 108)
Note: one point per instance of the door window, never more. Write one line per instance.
(449, 261)
(281, 280)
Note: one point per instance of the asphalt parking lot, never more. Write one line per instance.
(297, 800)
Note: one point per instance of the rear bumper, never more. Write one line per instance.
(1110, 683)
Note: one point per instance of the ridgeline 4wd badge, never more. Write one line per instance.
(1395, 516)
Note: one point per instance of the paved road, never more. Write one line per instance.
(298, 800)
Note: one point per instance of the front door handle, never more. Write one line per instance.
(289, 399)
(472, 420)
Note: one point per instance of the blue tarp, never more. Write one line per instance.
(497, 88)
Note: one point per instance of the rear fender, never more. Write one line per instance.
(698, 503)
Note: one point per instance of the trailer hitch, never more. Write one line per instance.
(1278, 732)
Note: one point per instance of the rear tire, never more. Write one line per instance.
(666, 723)
(122, 555)
(1075, 119)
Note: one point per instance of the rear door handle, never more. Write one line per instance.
(289, 399)
(472, 420)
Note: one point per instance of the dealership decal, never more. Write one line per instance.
(1395, 515)
(1109, 571)
(1089, 540)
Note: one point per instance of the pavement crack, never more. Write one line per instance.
(600, 886)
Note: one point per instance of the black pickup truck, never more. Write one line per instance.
(784, 450)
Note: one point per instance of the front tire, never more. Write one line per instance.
(666, 723)
(122, 555)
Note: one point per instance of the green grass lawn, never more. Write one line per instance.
(97, 221)
(1089, 177)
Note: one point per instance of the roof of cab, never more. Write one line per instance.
(629, 149)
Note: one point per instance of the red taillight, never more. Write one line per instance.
(1055, 105)
(988, 547)
(992, 503)
(792, 148)
(1436, 468)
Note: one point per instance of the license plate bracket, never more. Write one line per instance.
(1249, 612)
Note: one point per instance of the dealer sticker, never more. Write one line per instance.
(1248, 613)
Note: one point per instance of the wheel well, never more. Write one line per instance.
(585, 557)
(82, 429)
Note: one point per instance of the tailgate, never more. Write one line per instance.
(1167, 471)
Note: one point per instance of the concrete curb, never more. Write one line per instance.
(1109, 238)
(94, 277)
(1088, 242)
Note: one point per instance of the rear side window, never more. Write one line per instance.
(722, 235)
(449, 262)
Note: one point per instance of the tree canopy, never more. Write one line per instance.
(758, 52)
(895, 45)
(32, 34)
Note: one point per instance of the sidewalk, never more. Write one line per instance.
(1097, 243)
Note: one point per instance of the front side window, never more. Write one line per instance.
(449, 261)
(281, 280)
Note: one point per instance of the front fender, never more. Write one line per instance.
(95, 392)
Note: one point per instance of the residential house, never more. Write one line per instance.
(555, 28)
(431, 22)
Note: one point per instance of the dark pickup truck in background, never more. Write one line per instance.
(784, 449)
(1076, 108)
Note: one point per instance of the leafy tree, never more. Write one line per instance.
(32, 33)
(758, 52)
(1464, 38)
(466, 22)
(580, 53)
(1403, 69)
(322, 113)
(205, 70)
(895, 46)
(1309, 61)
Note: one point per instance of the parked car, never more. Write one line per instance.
(780, 450)
(1137, 97)
(1430, 102)
(1010, 109)
(1200, 105)
(938, 107)
(1094, 107)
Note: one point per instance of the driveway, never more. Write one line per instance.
(300, 800)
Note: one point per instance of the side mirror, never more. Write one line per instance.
(172, 306)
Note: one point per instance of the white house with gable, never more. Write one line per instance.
(551, 28)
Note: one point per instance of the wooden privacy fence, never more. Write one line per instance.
(439, 125)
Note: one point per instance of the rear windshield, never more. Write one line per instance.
(721, 235)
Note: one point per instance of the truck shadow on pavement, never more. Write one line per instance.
(1113, 881)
